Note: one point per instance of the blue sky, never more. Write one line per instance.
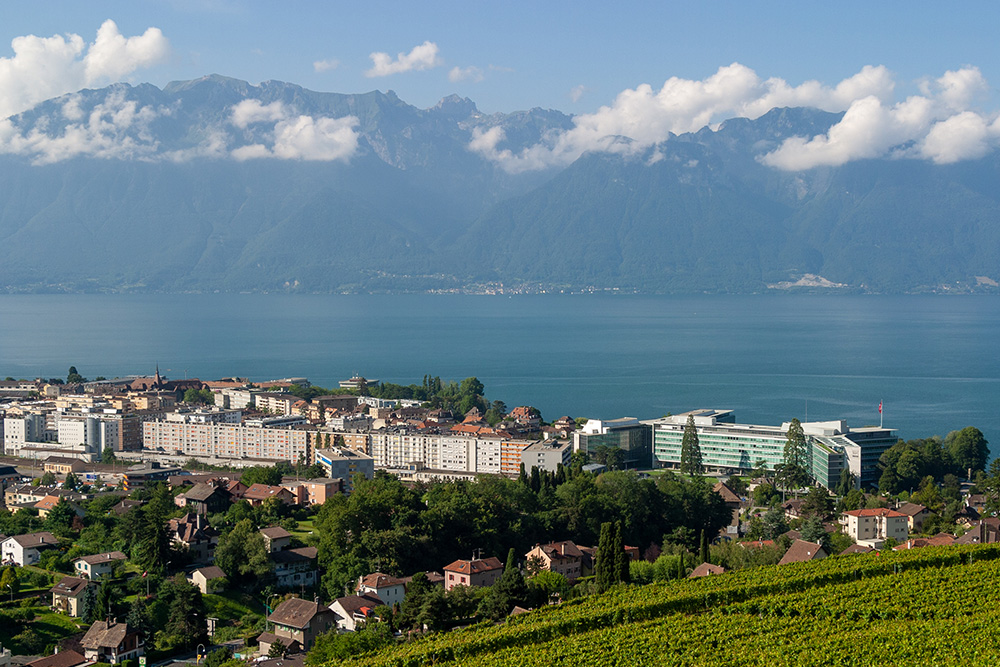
(915, 80)
(533, 53)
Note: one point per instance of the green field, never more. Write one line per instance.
(926, 606)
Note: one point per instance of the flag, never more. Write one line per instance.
(144, 574)
(880, 407)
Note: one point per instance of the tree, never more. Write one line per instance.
(621, 556)
(108, 456)
(48, 479)
(204, 396)
(846, 482)
(510, 590)
(604, 571)
(793, 473)
(269, 475)
(242, 553)
(72, 377)
(817, 502)
(968, 448)
(71, 482)
(277, 649)
(812, 530)
(690, 449)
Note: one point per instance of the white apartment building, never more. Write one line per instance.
(91, 432)
(873, 526)
(450, 453)
(230, 441)
(19, 431)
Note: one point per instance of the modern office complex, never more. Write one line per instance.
(627, 434)
(727, 446)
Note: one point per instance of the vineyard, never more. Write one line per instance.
(932, 605)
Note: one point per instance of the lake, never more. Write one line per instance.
(933, 360)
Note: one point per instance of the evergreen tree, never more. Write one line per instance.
(622, 576)
(510, 590)
(605, 568)
(690, 449)
(703, 554)
(793, 472)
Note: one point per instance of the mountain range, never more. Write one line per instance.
(216, 184)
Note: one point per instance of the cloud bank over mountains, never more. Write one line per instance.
(942, 123)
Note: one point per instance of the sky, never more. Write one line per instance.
(913, 73)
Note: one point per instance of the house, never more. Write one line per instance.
(706, 569)
(874, 526)
(207, 499)
(939, 540)
(68, 658)
(111, 642)
(916, 514)
(389, 590)
(63, 465)
(564, 558)
(314, 491)
(300, 621)
(125, 505)
(477, 572)
(98, 565)
(802, 551)
(353, 609)
(207, 579)
(295, 567)
(258, 493)
(192, 533)
(69, 596)
(857, 549)
(276, 538)
(46, 504)
(25, 549)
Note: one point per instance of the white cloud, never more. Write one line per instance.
(326, 65)
(46, 67)
(471, 73)
(252, 111)
(421, 57)
(295, 137)
(935, 125)
(577, 92)
(115, 128)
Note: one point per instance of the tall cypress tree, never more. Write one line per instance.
(690, 449)
(621, 557)
(603, 576)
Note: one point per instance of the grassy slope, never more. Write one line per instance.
(919, 607)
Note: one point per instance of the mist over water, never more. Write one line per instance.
(933, 360)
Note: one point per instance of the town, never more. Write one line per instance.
(227, 520)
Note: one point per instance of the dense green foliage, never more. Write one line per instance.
(933, 605)
(385, 525)
(907, 463)
(690, 449)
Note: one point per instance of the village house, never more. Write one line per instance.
(69, 596)
(192, 533)
(98, 565)
(207, 498)
(67, 658)
(874, 526)
(705, 570)
(112, 642)
(276, 538)
(354, 609)
(916, 514)
(564, 558)
(46, 505)
(390, 590)
(294, 568)
(258, 493)
(208, 579)
(296, 620)
(477, 572)
(802, 551)
(26, 549)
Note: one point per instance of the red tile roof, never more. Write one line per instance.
(474, 566)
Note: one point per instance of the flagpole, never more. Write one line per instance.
(880, 413)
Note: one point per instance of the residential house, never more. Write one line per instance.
(192, 533)
(207, 498)
(390, 590)
(69, 596)
(916, 514)
(802, 551)
(276, 538)
(67, 658)
(98, 565)
(354, 609)
(45, 505)
(314, 491)
(63, 465)
(125, 505)
(298, 620)
(235, 488)
(706, 569)
(857, 549)
(874, 526)
(294, 568)
(26, 549)
(564, 558)
(112, 642)
(939, 540)
(207, 579)
(257, 494)
(476, 572)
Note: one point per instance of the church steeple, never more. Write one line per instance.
(157, 380)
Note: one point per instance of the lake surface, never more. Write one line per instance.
(933, 360)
